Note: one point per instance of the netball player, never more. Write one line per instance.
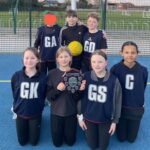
(29, 92)
(73, 31)
(63, 102)
(93, 39)
(133, 78)
(100, 104)
(47, 41)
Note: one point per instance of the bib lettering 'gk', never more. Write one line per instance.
(29, 90)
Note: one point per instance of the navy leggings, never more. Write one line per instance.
(97, 135)
(127, 129)
(28, 130)
(63, 129)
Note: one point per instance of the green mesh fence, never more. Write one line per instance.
(19, 21)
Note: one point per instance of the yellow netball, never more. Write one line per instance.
(75, 48)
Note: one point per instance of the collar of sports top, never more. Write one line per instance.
(36, 74)
(95, 78)
(72, 26)
(131, 65)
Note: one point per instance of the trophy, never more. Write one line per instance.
(72, 80)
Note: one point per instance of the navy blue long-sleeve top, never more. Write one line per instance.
(133, 82)
(92, 42)
(101, 101)
(28, 93)
(47, 40)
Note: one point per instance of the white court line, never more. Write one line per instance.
(5, 81)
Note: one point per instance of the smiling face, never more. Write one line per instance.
(98, 63)
(30, 60)
(71, 20)
(92, 23)
(64, 59)
(129, 54)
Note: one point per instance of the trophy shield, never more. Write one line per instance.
(72, 80)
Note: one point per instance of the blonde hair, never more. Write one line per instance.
(64, 49)
(93, 15)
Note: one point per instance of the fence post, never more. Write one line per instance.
(30, 23)
(14, 20)
(103, 13)
(73, 4)
(14, 13)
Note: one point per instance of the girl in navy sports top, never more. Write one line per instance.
(47, 41)
(133, 79)
(100, 104)
(29, 91)
(93, 39)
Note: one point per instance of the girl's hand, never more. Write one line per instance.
(82, 125)
(112, 128)
(61, 86)
(82, 86)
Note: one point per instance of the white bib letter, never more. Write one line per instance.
(129, 83)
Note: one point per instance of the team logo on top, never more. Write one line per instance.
(72, 80)
(90, 39)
